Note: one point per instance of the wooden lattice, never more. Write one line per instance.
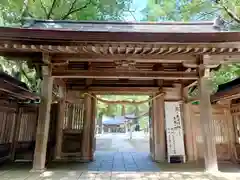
(73, 116)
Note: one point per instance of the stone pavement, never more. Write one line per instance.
(113, 166)
(117, 157)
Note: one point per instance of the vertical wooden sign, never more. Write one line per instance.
(174, 131)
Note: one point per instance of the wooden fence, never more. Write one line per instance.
(222, 129)
(235, 111)
(17, 129)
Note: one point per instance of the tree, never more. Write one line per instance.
(184, 10)
(15, 11)
(21, 71)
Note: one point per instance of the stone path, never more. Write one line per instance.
(123, 161)
(121, 143)
(118, 158)
(113, 166)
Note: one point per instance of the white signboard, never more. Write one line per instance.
(174, 130)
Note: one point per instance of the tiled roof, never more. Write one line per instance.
(96, 26)
(117, 120)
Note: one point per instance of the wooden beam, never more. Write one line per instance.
(230, 58)
(195, 83)
(137, 58)
(121, 90)
(144, 75)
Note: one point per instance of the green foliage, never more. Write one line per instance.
(181, 10)
(14, 11)
(116, 109)
(21, 71)
(225, 74)
(185, 10)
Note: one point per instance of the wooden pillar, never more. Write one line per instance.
(158, 125)
(231, 131)
(43, 121)
(209, 145)
(93, 124)
(188, 128)
(60, 121)
(16, 130)
(87, 154)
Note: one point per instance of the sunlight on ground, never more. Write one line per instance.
(117, 157)
(98, 175)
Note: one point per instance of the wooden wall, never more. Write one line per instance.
(235, 112)
(26, 132)
(223, 130)
(7, 122)
(17, 130)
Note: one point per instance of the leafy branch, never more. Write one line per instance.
(44, 8)
(51, 9)
(228, 11)
(72, 10)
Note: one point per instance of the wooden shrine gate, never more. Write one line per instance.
(102, 57)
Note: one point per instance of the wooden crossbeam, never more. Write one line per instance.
(191, 85)
(144, 75)
(120, 90)
(231, 58)
(137, 58)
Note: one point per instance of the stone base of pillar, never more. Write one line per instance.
(212, 169)
(37, 170)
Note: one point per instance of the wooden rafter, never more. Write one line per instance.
(125, 48)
